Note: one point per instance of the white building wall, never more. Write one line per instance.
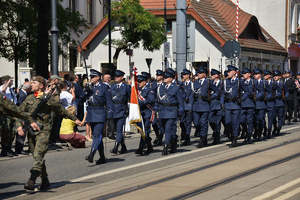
(6, 67)
(271, 15)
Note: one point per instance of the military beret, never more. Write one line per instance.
(202, 70)
(214, 72)
(256, 71)
(185, 71)
(146, 74)
(231, 68)
(298, 74)
(267, 72)
(277, 73)
(159, 72)
(5, 78)
(94, 72)
(119, 73)
(141, 78)
(39, 79)
(287, 71)
(245, 71)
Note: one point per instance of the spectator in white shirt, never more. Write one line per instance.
(67, 98)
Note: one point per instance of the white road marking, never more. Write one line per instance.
(84, 178)
(277, 190)
(289, 194)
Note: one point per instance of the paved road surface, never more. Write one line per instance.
(264, 170)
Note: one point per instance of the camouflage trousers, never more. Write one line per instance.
(7, 132)
(38, 144)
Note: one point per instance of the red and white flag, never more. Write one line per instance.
(134, 109)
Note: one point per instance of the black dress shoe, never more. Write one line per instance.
(101, 161)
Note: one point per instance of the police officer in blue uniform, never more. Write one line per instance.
(279, 103)
(216, 104)
(260, 105)
(270, 101)
(247, 91)
(146, 102)
(156, 124)
(201, 105)
(99, 108)
(289, 91)
(186, 120)
(120, 97)
(232, 104)
(169, 106)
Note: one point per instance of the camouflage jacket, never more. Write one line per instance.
(9, 109)
(43, 116)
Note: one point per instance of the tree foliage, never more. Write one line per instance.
(25, 28)
(137, 26)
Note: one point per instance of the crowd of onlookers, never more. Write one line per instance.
(72, 97)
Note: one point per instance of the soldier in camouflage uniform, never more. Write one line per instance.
(38, 140)
(9, 109)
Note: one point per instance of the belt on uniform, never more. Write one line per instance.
(168, 104)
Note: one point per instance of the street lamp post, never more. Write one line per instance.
(54, 38)
(149, 61)
(165, 16)
(109, 33)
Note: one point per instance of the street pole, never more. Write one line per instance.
(109, 33)
(180, 35)
(165, 17)
(54, 38)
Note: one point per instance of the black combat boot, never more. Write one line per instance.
(29, 185)
(216, 138)
(45, 184)
(90, 157)
(140, 150)
(102, 159)
(165, 150)
(173, 145)
(123, 147)
(115, 149)
(234, 142)
(187, 141)
(149, 145)
(201, 143)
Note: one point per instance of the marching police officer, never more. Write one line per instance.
(216, 104)
(146, 102)
(289, 91)
(156, 124)
(99, 108)
(120, 97)
(279, 103)
(260, 105)
(232, 104)
(201, 106)
(247, 89)
(169, 106)
(297, 99)
(270, 100)
(188, 106)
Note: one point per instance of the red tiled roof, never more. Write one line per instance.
(216, 16)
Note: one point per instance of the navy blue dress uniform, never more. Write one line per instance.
(156, 124)
(146, 104)
(247, 90)
(120, 97)
(289, 91)
(232, 106)
(279, 103)
(201, 107)
(297, 98)
(216, 106)
(260, 105)
(270, 89)
(186, 120)
(99, 108)
(169, 106)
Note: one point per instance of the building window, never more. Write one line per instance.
(90, 11)
(73, 57)
(72, 5)
(105, 8)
